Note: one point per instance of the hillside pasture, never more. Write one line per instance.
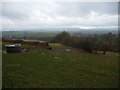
(43, 68)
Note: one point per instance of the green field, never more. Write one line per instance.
(43, 68)
(21, 34)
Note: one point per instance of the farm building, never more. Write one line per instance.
(13, 48)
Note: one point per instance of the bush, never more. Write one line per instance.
(106, 42)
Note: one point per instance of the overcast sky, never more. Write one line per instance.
(87, 15)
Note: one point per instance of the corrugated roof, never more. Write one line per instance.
(15, 45)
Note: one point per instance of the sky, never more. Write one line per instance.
(83, 15)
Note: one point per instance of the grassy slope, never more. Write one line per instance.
(43, 68)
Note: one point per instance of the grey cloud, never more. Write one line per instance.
(82, 9)
(59, 14)
(15, 11)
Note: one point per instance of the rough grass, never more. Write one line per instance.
(56, 45)
(46, 69)
(0, 64)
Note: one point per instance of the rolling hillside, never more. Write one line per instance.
(41, 68)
